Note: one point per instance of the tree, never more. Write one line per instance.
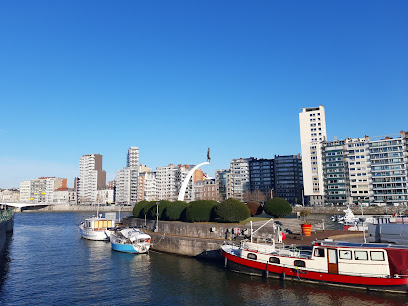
(231, 210)
(200, 211)
(277, 207)
(175, 210)
(257, 195)
(138, 209)
(254, 208)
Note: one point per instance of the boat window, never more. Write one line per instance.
(345, 254)
(299, 263)
(377, 255)
(319, 252)
(360, 255)
(251, 256)
(274, 260)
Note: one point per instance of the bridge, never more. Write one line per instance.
(21, 205)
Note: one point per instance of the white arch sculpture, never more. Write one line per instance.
(187, 179)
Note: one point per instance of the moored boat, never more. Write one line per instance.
(130, 240)
(95, 228)
(380, 267)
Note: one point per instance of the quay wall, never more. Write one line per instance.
(226, 231)
(202, 240)
(76, 208)
(6, 228)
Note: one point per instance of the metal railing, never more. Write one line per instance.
(6, 214)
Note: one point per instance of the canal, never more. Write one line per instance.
(46, 262)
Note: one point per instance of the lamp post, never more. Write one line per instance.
(157, 217)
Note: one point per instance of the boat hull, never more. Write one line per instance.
(251, 267)
(94, 235)
(127, 248)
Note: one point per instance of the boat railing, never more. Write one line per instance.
(6, 214)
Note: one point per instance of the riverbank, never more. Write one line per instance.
(75, 208)
(335, 210)
(204, 240)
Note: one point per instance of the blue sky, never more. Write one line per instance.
(175, 77)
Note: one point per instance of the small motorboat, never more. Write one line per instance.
(130, 240)
(95, 228)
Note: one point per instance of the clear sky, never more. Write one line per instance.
(175, 77)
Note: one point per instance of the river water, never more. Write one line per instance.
(48, 263)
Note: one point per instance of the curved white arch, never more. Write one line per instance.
(186, 180)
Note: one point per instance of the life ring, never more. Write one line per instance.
(147, 239)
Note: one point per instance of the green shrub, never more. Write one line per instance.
(175, 210)
(151, 214)
(254, 208)
(147, 208)
(231, 210)
(138, 209)
(277, 207)
(200, 211)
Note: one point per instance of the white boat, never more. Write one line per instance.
(96, 227)
(380, 267)
(352, 222)
(130, 240)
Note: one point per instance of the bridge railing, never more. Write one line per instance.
(6, 214)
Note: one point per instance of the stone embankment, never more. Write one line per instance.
(6, 228)
(76, 208)
(205, 239)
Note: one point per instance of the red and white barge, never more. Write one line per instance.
(380, 267)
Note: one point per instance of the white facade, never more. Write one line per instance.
(358, 167)
(146, 188)
(239, 177)
(126, 179)
(91, 178)
(132, 157)
(40, 190)
(312, 123)
(25, 191)
(105, 196)
(11, 196)
(64, 197)
(169, 180)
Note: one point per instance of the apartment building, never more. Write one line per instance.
(389, 168)
(312, 123)
(205, 190)
(288, 178)
(261, 175)
(146, 185)
(240, 178)
(41, 190)
(127, 179)
(223, 183)
(91, 178)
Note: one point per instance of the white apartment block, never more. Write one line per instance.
(132, 160)
(126, 179)
(146, 186)
(169, 180)
(67, 196)
(25, 191)
(389, 168)
(358, 168)
(126, 186)
(239, 171)
(41, 190)
(105, 196)
(10, 195)
(91, 178)
(312, 123)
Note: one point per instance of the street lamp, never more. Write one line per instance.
(157, 217)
